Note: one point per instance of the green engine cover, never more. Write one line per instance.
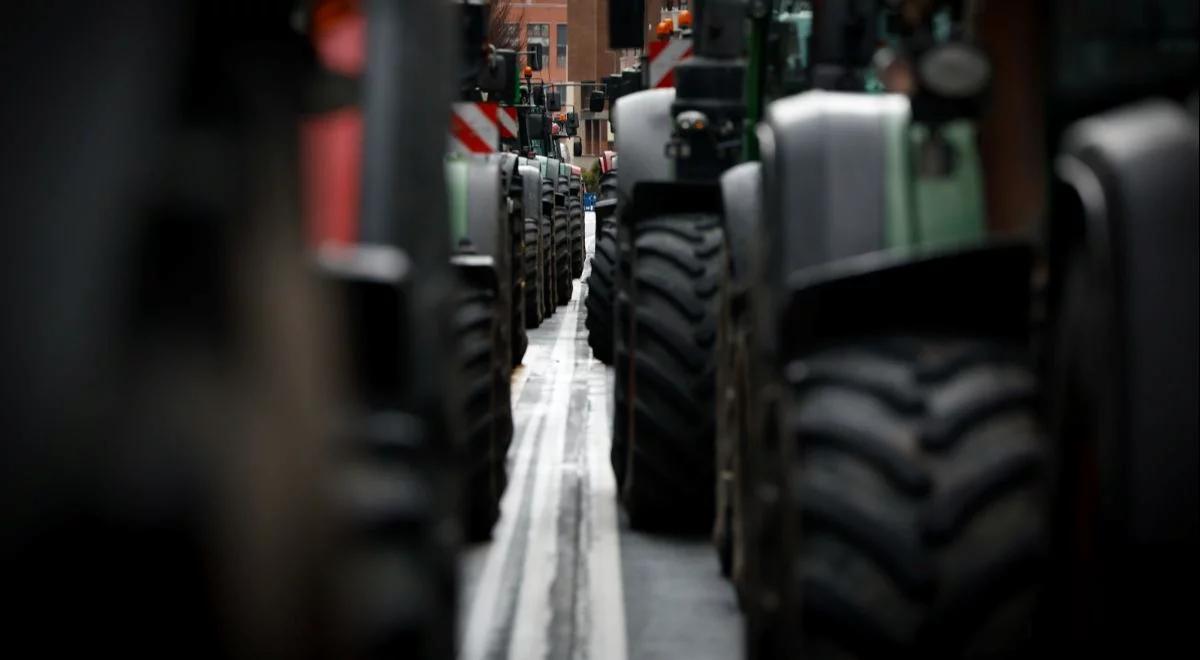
(932, 210)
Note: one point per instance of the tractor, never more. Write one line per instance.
(674, 143)
(918, 413)
(575, 214)
(216, 447)
(391, 272)
(599, 301)
(472, 219)
(1120, 163)
(879, 356)
(947, 452)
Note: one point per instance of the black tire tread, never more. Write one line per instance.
(562, 256)
(599, 300)
(533, 276)
(910, 549)
(668, 484)
(487, 413)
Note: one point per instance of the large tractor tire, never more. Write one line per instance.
(668, 391)
(919, 484)
(532, 262)
(733, 406)
(488, 414)
(578, 250)
(549, 280)
(393, 482)
(608, 184)
(621, 313)
(520, 339)
(599, 302)
(562, 256)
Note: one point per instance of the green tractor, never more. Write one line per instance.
(888, 458)
(538, 147)
(485, 199)
(882, 474)
(886, 481)
(556, 231)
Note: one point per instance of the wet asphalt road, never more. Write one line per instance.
(564, 577)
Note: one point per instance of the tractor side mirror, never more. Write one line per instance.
(535, 124)
(508, 94)
(596, 100)
(572, 122)
(539, 95)
(626, 19)
(577, 148)
(494, 77)
(537, 52)
(553, 102)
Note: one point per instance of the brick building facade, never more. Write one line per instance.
(544, 21)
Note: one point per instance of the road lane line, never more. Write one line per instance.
(606, 609)
(491, 608)
(534, 611)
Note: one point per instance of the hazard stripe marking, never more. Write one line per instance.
(664, 56)
(474, 128)
(508, 122)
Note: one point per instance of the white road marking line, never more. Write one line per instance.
(483, 617)
(534, 355)
(533, 613)
(606, 636)
(601, 630)
(606, 630)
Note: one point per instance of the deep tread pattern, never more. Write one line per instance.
(520, 339)
(578, 250)
(619, 453)
(913, 549)
(548, 279)
(487, 414)
(669, 473)
(392, 482)
(599, 301)
(549, 253)
(562, 256)
(534, 313)
(608, 184)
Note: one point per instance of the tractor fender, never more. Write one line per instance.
(741, 196)
(487, 213)
(508, 169)
(476, 270)
(531, 191)
(977, 290)
(1132, 174)
(645, 120)
(825, 177)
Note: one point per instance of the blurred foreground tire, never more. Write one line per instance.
(921, 497)
(488, 416)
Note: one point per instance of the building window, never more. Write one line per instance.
(561, 47)
(538, 33)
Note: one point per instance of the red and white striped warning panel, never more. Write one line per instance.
(508, 123)
(474, 128)
(663, 57)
